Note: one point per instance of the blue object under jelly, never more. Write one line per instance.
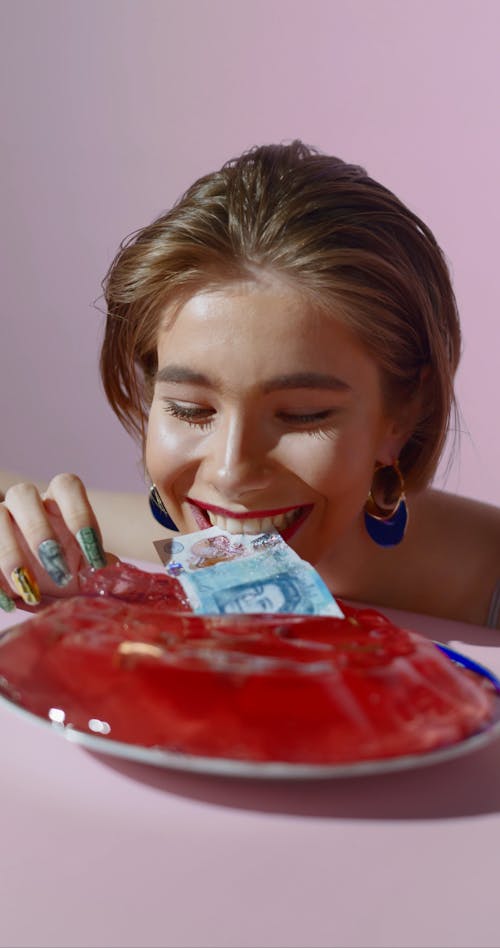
(470, 664)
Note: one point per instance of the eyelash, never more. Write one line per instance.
(197, 417)
(193, 416)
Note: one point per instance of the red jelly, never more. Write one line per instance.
(128, 661)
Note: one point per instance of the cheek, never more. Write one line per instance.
(332, 464)
(312, 460)
(170, 448)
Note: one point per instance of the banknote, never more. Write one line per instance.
(225, 573)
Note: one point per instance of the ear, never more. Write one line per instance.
(396, 431)
(392, 442)
(400, 424)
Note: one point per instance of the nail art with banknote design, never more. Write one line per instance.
(26, 586)
(91, 547)
(6, 603)
(52, 559)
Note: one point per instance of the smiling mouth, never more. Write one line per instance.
(285, 520)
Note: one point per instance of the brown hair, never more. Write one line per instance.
(333, 231)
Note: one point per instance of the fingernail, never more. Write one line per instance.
(26, 586)
(6, 603)
(91, 547)
(52, 559)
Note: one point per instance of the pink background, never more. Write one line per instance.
(111, 109)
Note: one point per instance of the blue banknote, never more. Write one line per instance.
(225, 573)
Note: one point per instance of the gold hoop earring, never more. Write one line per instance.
(386, 523)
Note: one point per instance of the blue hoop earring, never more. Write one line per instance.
(387, 527)
(159, 511)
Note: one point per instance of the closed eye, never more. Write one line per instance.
(192, 414)
(202, 417)
(311, 418)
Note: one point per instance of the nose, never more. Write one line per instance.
(237, 461)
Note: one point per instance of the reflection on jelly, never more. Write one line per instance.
(99, 727)
(56, 715)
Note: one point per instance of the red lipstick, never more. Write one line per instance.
(247, 514)
(203, 522)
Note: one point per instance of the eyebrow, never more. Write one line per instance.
(180, 374)
(306, 380)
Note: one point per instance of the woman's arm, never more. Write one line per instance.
(127, 524)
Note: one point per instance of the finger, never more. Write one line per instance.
(68, 493)
(28, 511)
(13, 562)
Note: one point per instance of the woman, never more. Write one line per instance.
(284, 342)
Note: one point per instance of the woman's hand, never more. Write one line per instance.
(45, 539)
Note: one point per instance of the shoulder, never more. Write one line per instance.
(460, 540)
(459, 518)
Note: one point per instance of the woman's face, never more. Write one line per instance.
(266, 413)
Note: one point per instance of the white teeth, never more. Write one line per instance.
(252, 525)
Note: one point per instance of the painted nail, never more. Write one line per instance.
(52, 559)
(91, 547)
(26, 586)
(6, 603)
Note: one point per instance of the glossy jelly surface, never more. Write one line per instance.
(127, 660)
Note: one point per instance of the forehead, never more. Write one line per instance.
(241, 299)
(257, 329)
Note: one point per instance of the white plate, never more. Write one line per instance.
(230, 767)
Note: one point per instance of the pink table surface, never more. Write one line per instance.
(97, 851)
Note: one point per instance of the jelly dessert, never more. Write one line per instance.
(126, 660)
